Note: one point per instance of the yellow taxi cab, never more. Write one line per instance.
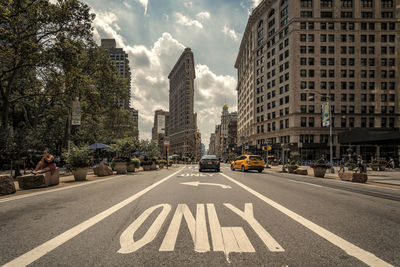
(248, 162)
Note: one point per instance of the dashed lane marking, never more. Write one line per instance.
(305, 183)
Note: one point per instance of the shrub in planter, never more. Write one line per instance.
(292, 167)
(147, 165)
(351, 165)
(320, 167)
(374, 165)
(161, 163)
(136, 162)
(78, 160)
(120, 165)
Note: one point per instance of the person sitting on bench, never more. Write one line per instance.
(46, 164)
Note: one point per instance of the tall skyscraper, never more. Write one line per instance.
(182, 120)
(296, 56)
(160, 128)
(120, 57)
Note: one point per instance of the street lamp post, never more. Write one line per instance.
(332, 170)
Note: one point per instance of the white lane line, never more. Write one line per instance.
(351, 249)
(305, 183)
(57, 241)
(58, 189)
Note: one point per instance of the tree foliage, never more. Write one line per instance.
(48, 59)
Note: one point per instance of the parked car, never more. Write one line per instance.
(209, 162)
(248, 162)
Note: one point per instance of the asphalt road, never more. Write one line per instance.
(181, 217)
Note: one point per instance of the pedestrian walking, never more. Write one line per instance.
(359, 164)
(342, 164)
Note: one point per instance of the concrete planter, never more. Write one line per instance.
(80, 174)
(382, 167)
(375, 167)
(147, 168)
(353, 177)
(121, 167)
(6, 185)
(161, 165)
(292, 169)
(319, 172)
(131, 167)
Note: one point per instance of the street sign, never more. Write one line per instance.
(166, 142)
(76, 113)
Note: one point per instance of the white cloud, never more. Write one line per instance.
(150, 85)
(186, 21)
(188, 4)
(126, 4)
(144, 3)
(203, 15)
(256, 2)
(230, 32)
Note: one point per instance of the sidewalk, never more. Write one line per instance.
(387, 177)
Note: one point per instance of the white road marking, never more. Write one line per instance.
(51, 190)
(215, 229)
(200, 242)
(127, 242)
(242, 240)
(351, 249)
(197, 183)
(229, 240)
(248, 216)
(305, 183)
(222, 236)
(57, 241)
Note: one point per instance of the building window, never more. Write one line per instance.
(326, 3)
(371, 123)
(363, 122)
(383, 122)
(311, 121)
(346, 14)
(366, 15)
(306, 3)
(326, 14)
(347, 3)
(366, 3)
(303, 122)
(387, 3)
(306, 14)
(387, 15)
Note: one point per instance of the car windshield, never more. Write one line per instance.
(213, 157)
(255, 158)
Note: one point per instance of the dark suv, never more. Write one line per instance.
(209, 162)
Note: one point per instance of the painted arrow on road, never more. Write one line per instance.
(197, 183)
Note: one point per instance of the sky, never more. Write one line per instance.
(154, 33)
